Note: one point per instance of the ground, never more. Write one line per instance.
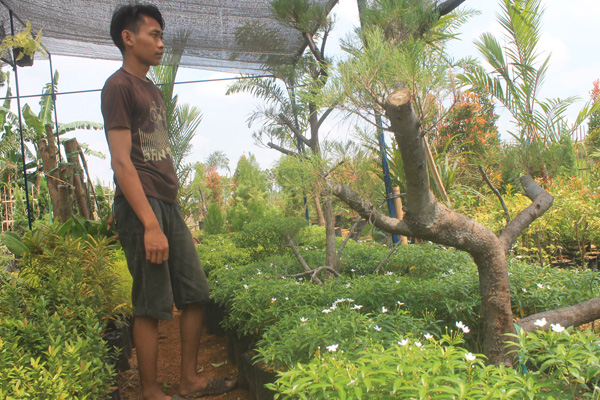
(212, 362)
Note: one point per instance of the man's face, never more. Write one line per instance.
(147, 45)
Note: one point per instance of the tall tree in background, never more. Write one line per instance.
(248, 200)
(182, 119)
(293, 113)
(518, 71)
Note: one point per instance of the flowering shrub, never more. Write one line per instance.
(409, 369)
(298, 336)
(559, 363)
(568, 356)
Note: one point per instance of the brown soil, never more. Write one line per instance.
(212, 363)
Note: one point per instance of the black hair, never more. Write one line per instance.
(130, 17)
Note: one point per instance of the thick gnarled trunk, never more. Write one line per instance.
(426, 218)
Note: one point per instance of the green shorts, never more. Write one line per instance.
(180, 279)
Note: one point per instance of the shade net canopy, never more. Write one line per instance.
(223, 35)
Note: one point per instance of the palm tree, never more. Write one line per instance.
(182, 119)
(517, 74)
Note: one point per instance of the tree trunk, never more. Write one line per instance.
(426, 218)
(47, 150)
(330, 246)
(399, 211)
(72, 149)
(319, 210)
(65, 191)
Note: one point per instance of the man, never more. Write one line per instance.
(158, 245)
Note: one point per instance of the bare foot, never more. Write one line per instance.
(203, 387)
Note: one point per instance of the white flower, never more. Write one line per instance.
(352, 270)
(377, 328)
(246, 286)
(451, 271)
(397, 281)
(326, 311)
(384, 310)
(524, 290)
(333, 348)
(400, 303)
(350, 300)
(403, 342)
(348, 285)
(557, 328)
(356, 307)
(389, 273)
(303, 319)
(287, 298)
(273, 299)
(540, 285)
(418, 344)
(540, 322)
(462, 326)
(333, 307)
(469, 356)
(428, 336)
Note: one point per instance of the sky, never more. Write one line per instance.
(568, 33)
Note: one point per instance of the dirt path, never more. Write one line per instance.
(212, 362)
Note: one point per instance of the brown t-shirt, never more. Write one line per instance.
(135, 104)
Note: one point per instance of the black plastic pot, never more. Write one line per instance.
(119, 346)
(213, 316)
(25, 61)
(258, 376)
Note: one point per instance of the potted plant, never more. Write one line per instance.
(23, 46)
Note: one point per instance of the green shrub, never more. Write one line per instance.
(218, 251)
(51, 349)
(215, 220)
(298, 336)
(409, 369)
(267, 235)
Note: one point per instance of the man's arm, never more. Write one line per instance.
(155, 242)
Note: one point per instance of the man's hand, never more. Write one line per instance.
(157, 246)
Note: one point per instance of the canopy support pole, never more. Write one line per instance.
(12, 30)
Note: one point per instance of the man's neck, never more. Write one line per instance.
(136, 69)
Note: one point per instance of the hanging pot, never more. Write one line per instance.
(25, 61)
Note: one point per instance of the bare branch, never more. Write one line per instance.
(336, 166)
(387, 257)
(284, 119)
(352, 228)
(496, 192)
(541, 201)
(448, 6)
(301, 260)
(313, 47)
(576, 315)
(281, 149)
(324, 116)
(314, 272)
(369, 212)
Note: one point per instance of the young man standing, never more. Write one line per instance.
(159, 248)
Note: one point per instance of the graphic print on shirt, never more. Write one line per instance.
(155, 145)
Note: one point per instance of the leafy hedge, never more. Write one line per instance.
(53, 314)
